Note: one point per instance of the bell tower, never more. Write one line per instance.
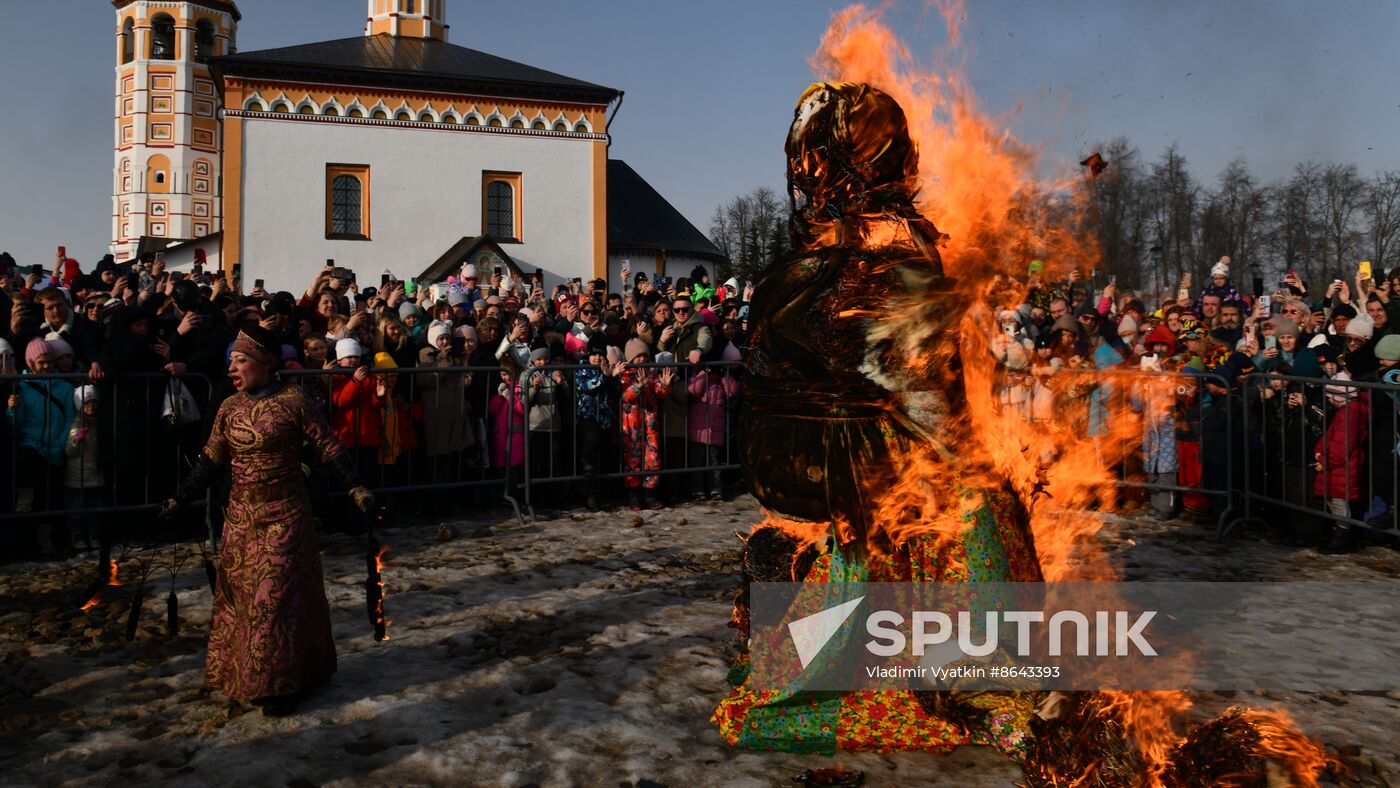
(408, 18)
(166, 177)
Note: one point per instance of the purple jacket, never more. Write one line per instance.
(710, 395)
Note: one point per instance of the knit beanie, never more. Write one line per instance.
(1127, 327)
(1284, 327)
(58, 344)
(1388, 349)
(348, 347)
(36, 348)
(1221, 268)
(1360, 326)
(539, 353)
(634, 348)
(84, 394)
(384, 361)
(409, 309)
(438, 328)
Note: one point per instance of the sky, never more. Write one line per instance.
(710, 85)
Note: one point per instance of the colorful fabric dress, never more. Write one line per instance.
(641, 430)
(854, 385)
(271, 628)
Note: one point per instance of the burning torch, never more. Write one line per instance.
(374, 582)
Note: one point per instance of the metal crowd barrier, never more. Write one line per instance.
(1188, 414)
(1309, 433)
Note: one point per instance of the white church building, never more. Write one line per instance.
(392, 150)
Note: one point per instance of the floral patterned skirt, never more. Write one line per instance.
(995, 546)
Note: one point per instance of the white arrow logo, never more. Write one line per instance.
(810, 634)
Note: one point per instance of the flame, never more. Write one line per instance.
(982, 187)
(111, 582)
(380, 622)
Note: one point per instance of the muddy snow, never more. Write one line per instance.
(585, 650)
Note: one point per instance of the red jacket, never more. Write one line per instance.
(355, 409)
(1343, 450)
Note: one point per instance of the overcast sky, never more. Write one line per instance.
(710, 85)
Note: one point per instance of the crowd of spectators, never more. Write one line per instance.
(1207, 376)
(618, 393)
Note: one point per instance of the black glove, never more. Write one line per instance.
(342, 469)
(195, 483)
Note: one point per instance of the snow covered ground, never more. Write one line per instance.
(586, 650)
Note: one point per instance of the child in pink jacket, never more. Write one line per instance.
(712, 390)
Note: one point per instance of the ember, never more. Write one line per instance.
(107, 578)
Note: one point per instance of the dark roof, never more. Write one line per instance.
(640, 219)
(410, 63)
(461, 252)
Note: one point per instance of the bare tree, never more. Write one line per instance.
(1118, 213)
(1341, 195)
(1381, 209)
(1234, 220)
(1171, 217)
(1297, 222)
(752, 231)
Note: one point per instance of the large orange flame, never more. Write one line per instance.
(982, 187)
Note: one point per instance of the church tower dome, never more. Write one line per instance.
(166, 176)
(408, 19)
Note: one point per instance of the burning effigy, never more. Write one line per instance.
(875, 450)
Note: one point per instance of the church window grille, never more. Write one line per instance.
(205, 46)
(128, 40)
(347, 202)
(502, 206)
(163, 38)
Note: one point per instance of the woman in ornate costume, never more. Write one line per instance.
(270, 636)
(854, 388)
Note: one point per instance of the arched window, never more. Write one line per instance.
(282, 106)
(205, 46)
(129, 40)
(346, 199)
(561, 126)
(380, 114)
(403, 115)
(500, 210)
(581, 128)
(163, 38)
(426, 117)
(539, 124)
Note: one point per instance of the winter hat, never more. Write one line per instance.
(732, 283)
(1066, 323)
(59, 345)
(409, 309)
(289, 353)
(1344, 310)
(596, 344)
(1341, 392)
(84, 394)
(1127, 327)
(348, 347)
(539, 353)
(467, 332)
(731, 353)
(1318, 340)
(6, 348)
(36, 348)
(1360, 326)
(480, 303)
(1191, 328)
(1221, 268)
(438, 328)
(1283, 327)
(469, 272)
(697, 273)
(384, 361)
(1326, 353)
(526, 312)
(1388, 349)
(457, 299)
(1007, 316)
(1087, 309)
(1161, 335)
(1035, 267)
(634, 348)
